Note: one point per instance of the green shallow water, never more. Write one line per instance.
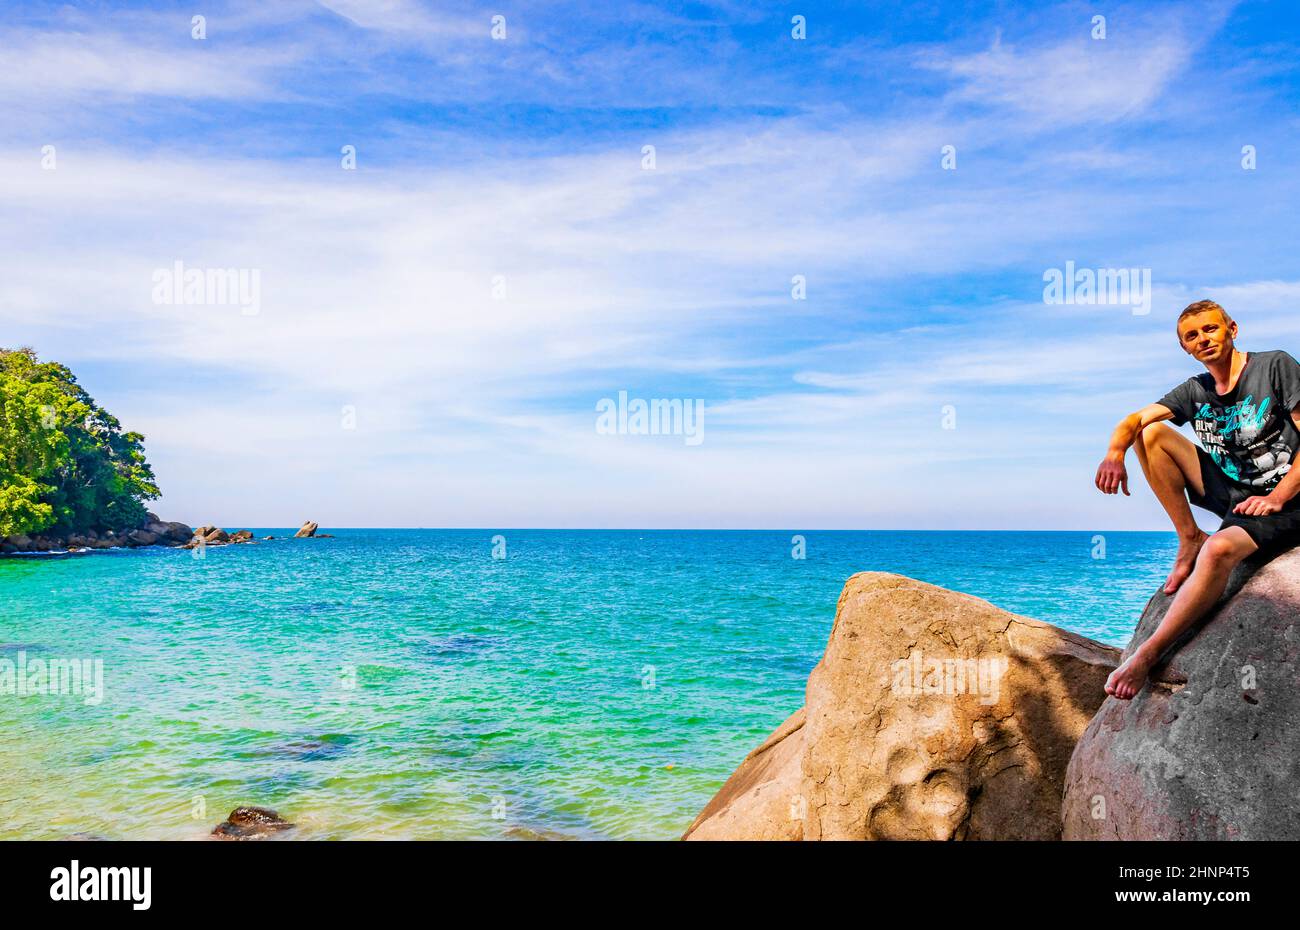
(405, 684)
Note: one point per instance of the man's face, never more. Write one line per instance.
(1207, 337)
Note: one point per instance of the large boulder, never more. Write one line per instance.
(932, 715)
(1210, 748)
(178, 532)
(141, 538)
(167, 532)
(307, 530)
(762, 798)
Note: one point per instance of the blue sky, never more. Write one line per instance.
(519, 161)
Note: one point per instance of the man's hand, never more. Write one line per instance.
(1258, 506)
(1112, 475)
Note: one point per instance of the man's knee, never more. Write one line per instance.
(1155, 435)
(1226, 548)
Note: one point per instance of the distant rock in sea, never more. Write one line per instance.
(932, 715)
(216, 536)
(307, 531)
(1210, 748)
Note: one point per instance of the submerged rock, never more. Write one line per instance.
(251, 823)
(536, 835)
(932, 715)
(1209, 749)
(308, 748)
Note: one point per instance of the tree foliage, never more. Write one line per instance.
(65, 463)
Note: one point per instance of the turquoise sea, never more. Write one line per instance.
(407, 684)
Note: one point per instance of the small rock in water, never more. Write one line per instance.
(307, 530)
(250, 823)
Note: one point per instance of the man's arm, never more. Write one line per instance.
(1111, 473)
(1286, 489)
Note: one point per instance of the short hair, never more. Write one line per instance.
(1202, 306)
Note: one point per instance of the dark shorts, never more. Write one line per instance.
(1272, 533)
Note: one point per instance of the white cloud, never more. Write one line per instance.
(99, 67)
(406, 17)
(1080, 80)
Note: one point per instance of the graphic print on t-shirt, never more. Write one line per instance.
(1244, 427)
(1248, 431)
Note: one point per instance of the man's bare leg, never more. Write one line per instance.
(1171, 465)
(1221, 553)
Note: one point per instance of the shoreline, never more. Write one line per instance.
(154, 533)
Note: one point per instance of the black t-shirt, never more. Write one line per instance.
(1248, 431)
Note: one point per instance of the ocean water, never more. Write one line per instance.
(406, 684)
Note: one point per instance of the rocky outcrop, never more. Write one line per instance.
(215, 536)
(251, 823)
(932, 715)
(307, 531)
(212, 535)
(1210, 748)
(154, 532)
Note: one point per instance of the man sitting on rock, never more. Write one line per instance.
(1244, 410)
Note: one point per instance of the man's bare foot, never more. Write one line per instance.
(1127, 680)
(1185, 561)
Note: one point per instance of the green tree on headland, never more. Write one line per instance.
(65, 463)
